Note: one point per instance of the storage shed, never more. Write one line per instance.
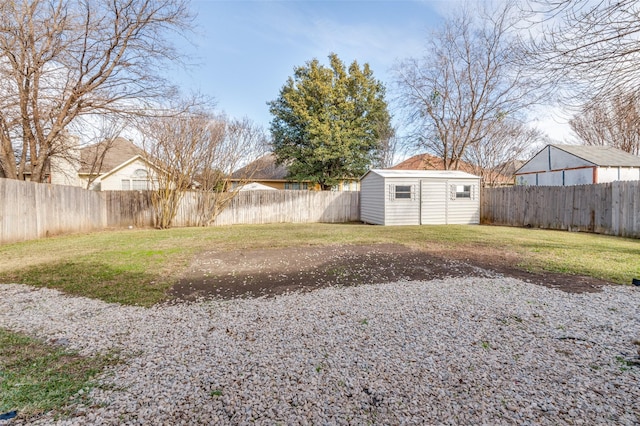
(419, 197)
(563, 165)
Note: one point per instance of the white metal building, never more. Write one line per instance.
(419, 197)
(564, 165)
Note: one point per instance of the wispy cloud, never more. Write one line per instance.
(380, 42)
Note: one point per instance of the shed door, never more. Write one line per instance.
(433, 202)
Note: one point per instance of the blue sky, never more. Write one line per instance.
(243, 51)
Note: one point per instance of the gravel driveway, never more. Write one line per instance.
(446, 351)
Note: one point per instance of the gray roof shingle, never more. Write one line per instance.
(603, 156)
(264, 168)
(118, 151)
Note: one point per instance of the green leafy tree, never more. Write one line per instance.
(330, 123)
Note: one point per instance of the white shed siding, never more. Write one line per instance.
(563, 160)
(552, 158)
(578, 177)
(581, 176)
(573, 165)
(611, 174)
(630, 173)
(434, 202)
(404, 211)
(539, 163)
(463, 211)
(372, 199)
(549, 178)
(527, 180)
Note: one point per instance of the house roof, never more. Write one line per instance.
(391, 173)
(431, 162)
(264, 168)
(428, 162)
(256, 186)
(510, 167)
(601, 155)
(116, 152)
(126, 163)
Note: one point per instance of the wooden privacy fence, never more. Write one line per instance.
(32, 210)
(133, 208)
(606, 208)
(291, 206)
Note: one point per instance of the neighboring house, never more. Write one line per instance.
(419, 197)
(111, 165)
(509, 168)
(431, 162)
(265, 171)
(255, 186)
(564, 165)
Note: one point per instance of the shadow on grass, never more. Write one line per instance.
(110, 283)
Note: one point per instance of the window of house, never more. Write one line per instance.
(403, 192)
(296, 186)
(126, 184)
(140, 173)
(463, 191)
(140, 185)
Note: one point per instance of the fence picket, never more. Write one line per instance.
(31, 210)
(606, 208)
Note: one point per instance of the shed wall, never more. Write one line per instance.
(405, 211)
(612, 174)
(582, 176)
(630, 173)
(578, 177)
(549, 179)
(463, 211)
(553, 159)
(563, 160)
(433, 201)
(372, 199)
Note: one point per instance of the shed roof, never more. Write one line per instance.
(422, 174)
(602, 155)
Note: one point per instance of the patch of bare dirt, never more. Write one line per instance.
(267, 272)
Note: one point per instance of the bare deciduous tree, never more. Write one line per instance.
(73, 157)
(389, 147)
(586, 47)
(496, 157)
(614, 121)
(197, 152)
(242, 142)
(466, 86)
(62, 60)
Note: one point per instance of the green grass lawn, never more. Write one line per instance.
(36, 377)
(138, 266)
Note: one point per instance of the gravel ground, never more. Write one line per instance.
(450, 351)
